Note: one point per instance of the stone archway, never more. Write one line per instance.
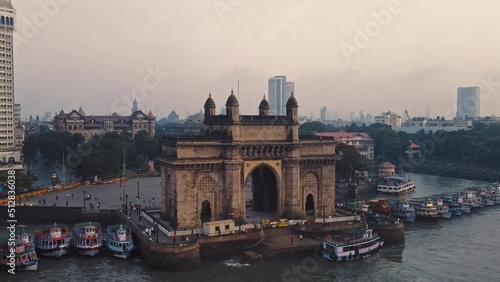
(206, 212)
(263, 184)
(310, 205)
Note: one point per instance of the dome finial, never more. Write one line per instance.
(232, 100)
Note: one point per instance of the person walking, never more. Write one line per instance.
(300, 237)
(67, 203)
(291, 240)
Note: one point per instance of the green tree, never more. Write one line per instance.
(146, 146)
(29, 149)
(350, 162)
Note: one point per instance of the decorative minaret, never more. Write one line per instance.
(264, 107)
(152, 124)
(135, 108)
(292, 108)
(232, 107)
(209, 107)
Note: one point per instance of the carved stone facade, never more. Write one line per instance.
(208, 177)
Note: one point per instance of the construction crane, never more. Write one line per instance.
(408, 117)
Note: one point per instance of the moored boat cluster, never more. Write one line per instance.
(57, 240)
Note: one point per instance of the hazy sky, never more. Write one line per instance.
(93, 52)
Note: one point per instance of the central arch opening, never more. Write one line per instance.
(310, 205)
(264, 189)
(206, 212)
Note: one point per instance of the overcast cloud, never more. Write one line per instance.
(92, 52)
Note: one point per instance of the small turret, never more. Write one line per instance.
(232, 107)
(292, 108)
(264, 107)
(210, 107)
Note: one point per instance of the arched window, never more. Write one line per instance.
(11, 21)
(2, 20)
(11, 160)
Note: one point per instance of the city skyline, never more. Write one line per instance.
(405, 65)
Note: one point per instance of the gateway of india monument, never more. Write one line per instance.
(259, 161)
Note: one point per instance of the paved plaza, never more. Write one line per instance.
(109, 196)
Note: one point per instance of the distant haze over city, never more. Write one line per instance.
(372, 56)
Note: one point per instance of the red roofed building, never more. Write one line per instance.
(413, 151)
(386, 169)
(363, 143)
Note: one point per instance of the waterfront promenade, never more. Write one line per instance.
(109, 196)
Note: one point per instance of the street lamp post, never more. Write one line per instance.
(126, 203)
(346, 197)
(84, 197)
(324, 214)
(137, 189)
(157, 230)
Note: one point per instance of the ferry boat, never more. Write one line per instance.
(443, 210)
(119, 241)
(380, 206)
(87, 238)
(425, 209)
(395, 185)
(455, 209)
(403, 210)
(52, 240)
(354, 244)
(25, 254)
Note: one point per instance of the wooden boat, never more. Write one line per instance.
(24, 257)
(87, 238)
(119, 241)
(52, 240)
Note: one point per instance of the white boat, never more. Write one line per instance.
(119, 241)
(25, 257)
(425, 209)
(87, 238)
(352, 245)
(52, 240)
(395, 185)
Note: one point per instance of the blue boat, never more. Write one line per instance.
(455, 210)
(403, 210)
(119, 241)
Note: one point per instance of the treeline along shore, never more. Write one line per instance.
(458, 170)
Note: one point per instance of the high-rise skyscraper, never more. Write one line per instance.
(323, 114)
(280, 91)
(10, 157)
(468, 102)
(361, 117)
(352, 117)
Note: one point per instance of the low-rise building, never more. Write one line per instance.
(389, 118)
(413, 150)
(361, 141)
